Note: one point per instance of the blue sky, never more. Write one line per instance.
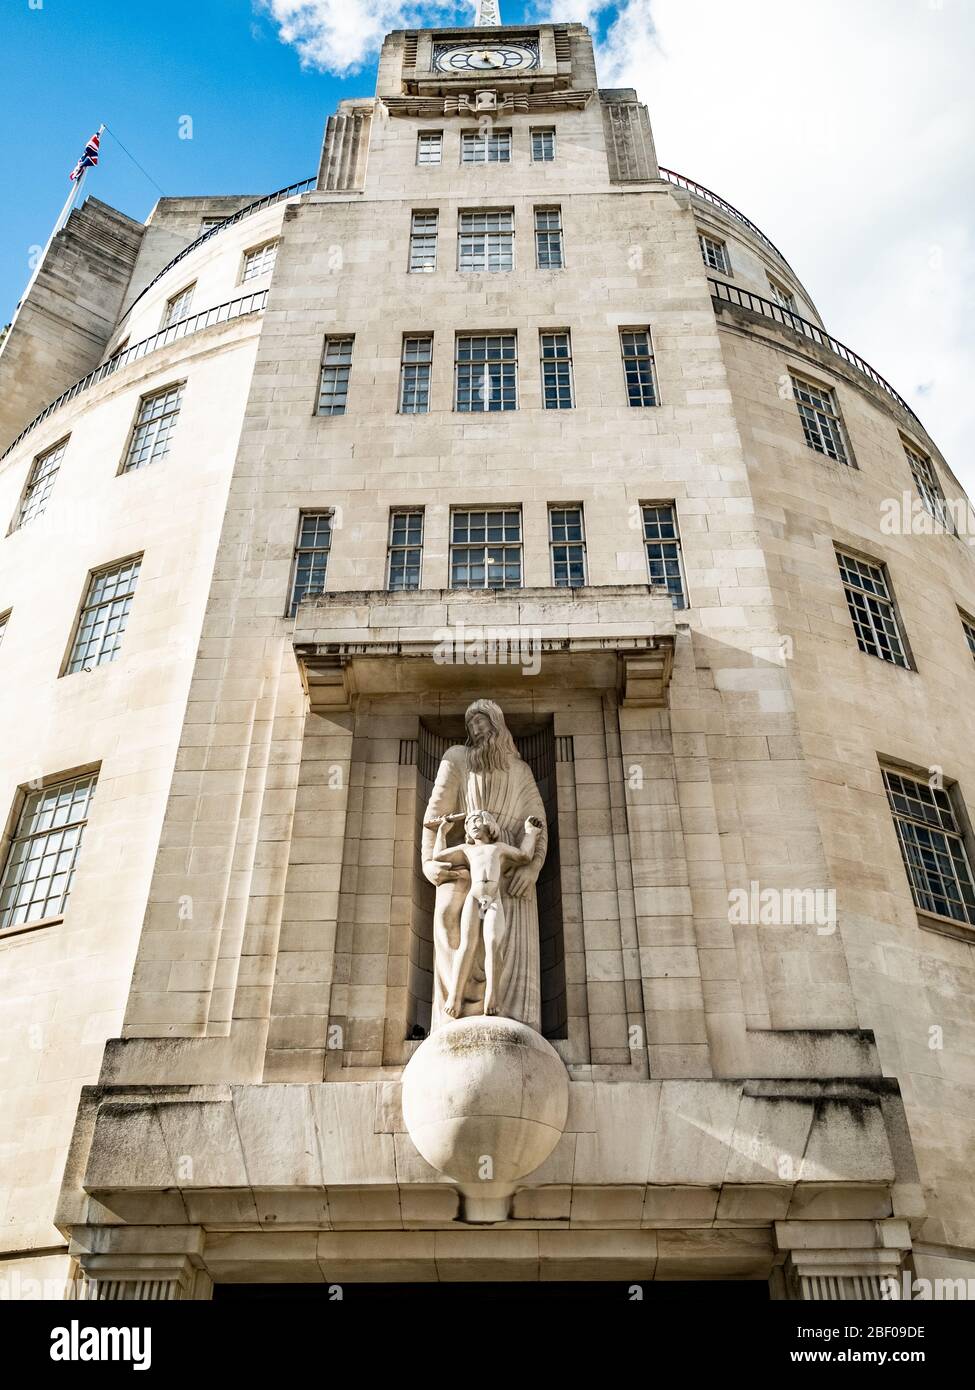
(139, 66)
(844, 130)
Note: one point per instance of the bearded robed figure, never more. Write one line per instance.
(487, 774)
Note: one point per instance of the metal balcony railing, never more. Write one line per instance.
(206, 318)
(293, 190)
(706, 193)
(732, 294)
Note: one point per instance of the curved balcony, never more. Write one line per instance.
(206, 318)
(681, 181)
(293, 190)
(744, 299)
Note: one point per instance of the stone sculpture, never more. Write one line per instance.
(485, 1097)
(486, 775)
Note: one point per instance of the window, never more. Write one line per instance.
(486, 368)
(423, 242)
(872, 609)
(567, 541)
(543, 144)
(928, 487)
(414, 375)
(556, 355)
(178, 307)
(932, 846)
(715, 253)
(153, 429)
(783, 297)
(487, 147)
(40, 864)
(333, 393)
(311, 557)
(208, 223)
(429, 147)
(641, 388)
(485, 550)
(662, 541)
(820, 416)
(968, 626)
(405, 549)
(548, 238)
(104, 615)
(486, 241)
(43, 471)
(259, 261)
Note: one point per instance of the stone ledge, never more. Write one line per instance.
(335, 1157)
(611, 637)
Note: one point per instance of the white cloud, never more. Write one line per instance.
(845, 131)
(341, 35)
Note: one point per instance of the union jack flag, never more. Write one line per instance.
(89, 159)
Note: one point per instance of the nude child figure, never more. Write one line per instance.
(488, 858)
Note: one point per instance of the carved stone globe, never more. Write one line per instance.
(485, 1102)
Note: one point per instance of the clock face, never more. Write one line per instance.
(488, 58)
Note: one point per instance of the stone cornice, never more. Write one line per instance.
(467, 103)
(617, 637)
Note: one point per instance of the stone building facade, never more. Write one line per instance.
(494, 407)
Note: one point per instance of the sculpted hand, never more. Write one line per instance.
(440, 873)
(521, 881)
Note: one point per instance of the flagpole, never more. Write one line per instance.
(76, 187)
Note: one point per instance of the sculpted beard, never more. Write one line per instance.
(491, 751)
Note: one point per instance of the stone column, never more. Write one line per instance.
(827, 1261)
(157, 1264)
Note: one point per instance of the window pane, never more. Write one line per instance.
(260, 261)
(638, 369)
(556, 355)
(871, 609)
(715, 253)
(429, 147)
(474, 564)
(932, 847)
(486, 370)
(820, 418)
(423, 242)
(663, 550)
(491, 147)
(40, 864)
(104, 615)
(179, 306)
(311, 557)
(485, 241)
(783, 297)
(333, 392)
(40, 481)
(548, 238)
(543, 145)
(567, 543)
(405, 549)
(415, 369)
(154, 426)
(928, 487)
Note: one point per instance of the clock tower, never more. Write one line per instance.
(520, 75)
